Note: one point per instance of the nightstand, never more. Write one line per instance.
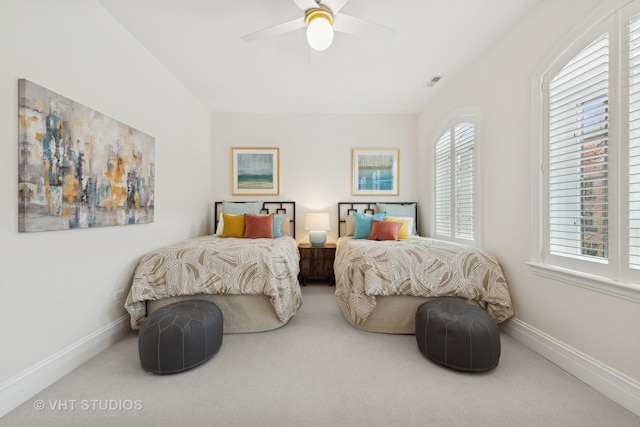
(316, 262)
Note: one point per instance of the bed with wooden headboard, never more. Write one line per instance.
(383, 274)
(253, 278)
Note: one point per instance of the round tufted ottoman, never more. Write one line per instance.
(458, 335)
(180, 336)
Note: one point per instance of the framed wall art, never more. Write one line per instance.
(255, 171)
(79, 168)
(375, 172)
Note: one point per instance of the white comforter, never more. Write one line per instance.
(419, 266)
(215, 265)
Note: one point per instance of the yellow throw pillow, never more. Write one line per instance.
(403, 233)
(233, 225)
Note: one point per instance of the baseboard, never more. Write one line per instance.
(618, 387)
(25, 385)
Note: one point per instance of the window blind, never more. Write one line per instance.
(633, 55)
(443, 185)
(454, 183)
(578, 154)
(464, 185)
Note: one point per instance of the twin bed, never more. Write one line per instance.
(379, 284)
(254, 281)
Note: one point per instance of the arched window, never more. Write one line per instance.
(589, 196)
(455, 192)
(577, 154)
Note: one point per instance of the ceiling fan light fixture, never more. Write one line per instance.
(319, 28)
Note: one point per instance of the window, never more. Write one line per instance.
(590, 165)
(454, 181)
(634, 140)
(577, 154)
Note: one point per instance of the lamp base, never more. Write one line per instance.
(317, 238)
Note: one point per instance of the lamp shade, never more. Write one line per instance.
(317, 224)
(317, 221)
(320, 33)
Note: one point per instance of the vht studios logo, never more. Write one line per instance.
(64, 405)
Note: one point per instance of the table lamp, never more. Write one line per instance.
(317, 224)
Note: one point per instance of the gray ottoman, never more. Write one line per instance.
(180, 336)
(458, 335)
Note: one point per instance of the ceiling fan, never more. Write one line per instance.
(322, 17)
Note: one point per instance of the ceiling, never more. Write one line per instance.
(199, 42)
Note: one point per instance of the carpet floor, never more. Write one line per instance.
(319, 371)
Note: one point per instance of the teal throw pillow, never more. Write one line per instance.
(277, 225)
(363, 224)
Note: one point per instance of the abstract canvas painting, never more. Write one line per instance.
(375, 172)
(255, 171)
(79, 168)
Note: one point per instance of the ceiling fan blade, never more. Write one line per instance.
(334, 5)
(277, 30)
(359, 27)
(305, 5)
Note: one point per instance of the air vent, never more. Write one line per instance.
(433, 81)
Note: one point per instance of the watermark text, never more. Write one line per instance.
(69, 405)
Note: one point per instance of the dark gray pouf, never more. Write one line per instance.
(458, 335)
(180, 336)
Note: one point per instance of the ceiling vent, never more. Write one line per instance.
(433, 81)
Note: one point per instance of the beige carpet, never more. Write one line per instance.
(319, 371)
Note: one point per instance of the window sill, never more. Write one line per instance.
(627, 291)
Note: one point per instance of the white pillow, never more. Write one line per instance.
(400, 210)
(350, 221)
(236, 208)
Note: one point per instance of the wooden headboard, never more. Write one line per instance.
(276, 207)
(367, 208)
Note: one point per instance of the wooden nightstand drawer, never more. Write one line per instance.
(316, 262)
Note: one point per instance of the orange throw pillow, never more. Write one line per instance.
(257, 226)
(384, 230)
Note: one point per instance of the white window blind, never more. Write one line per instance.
(454, 183)
(578, 152)
(443, 185)
(633, 55)
(589, 200)
(464, 182)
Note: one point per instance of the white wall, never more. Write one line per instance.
(315, 155)
(56, 288)
(602, 327)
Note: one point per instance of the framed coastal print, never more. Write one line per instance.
(375, 172)
(255, 171)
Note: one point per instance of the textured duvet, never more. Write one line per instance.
(215, 265)
(419, 266)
